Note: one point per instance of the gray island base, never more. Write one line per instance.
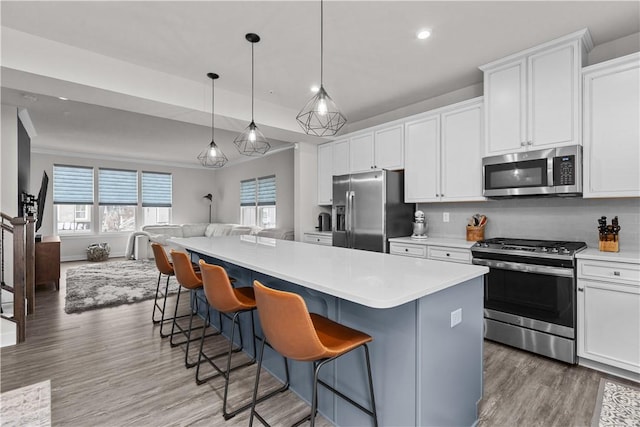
(426, 372)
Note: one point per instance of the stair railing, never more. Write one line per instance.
(23, 230)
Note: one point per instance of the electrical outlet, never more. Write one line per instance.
(456, 317)
(445, 216)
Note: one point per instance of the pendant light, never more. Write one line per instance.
(252, 142)
(212, 156)
(320, 116)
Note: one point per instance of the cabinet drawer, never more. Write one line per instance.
(318, 240)
(419, 251)
(610, 271)
(442, 253)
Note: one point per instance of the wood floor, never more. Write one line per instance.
(109, 367)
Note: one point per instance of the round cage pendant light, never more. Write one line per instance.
(212, 156)
(320, 116)
(252, 142)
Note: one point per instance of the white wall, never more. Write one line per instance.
(9, 180)
(189, 185)
(9, 161)
(226, 191)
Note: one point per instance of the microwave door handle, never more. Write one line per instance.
(550, 182)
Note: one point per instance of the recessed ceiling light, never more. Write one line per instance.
(423, 34)
(315, 88)
(62, 98)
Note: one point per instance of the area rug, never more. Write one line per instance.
(616, 405)
(27, 406)
(109, 284)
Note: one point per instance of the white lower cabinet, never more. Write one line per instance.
(431, 250)
(318, 239)
(609, 313)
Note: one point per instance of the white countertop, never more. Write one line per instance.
(622, 256)
(435, 241)
(372, 279)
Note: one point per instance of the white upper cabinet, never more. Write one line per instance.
(380, 149)
(341, 157)
(442, 155)
(461, 151)
(389, 147)
(325, 174)
(612, 128)
(361, 157)
(422, 160)
(532, 98)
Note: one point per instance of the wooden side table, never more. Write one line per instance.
(48, 261)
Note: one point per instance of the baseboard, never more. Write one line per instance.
(618, 372)
(84, 257)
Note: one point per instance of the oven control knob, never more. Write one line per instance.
(565, 251)
(554, 250)
(544, 249)
(485, 245)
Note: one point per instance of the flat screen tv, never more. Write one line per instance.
(42, 197)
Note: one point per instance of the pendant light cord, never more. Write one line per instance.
(321, 42)
(213, 86)
(252, 43)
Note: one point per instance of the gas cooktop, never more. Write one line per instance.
(528, 247)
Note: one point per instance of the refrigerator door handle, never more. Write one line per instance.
(350, 201)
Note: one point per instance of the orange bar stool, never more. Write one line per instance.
(299, 335)
(191, 280)
(232, 302)
(164, 267)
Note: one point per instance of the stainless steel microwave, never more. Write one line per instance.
(549, 172)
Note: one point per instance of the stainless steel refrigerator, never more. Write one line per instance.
(368, 208)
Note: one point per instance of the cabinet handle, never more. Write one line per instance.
(616, 273)
(523, 143)
(580, 289)
(529, 142)
(448, 254)
(406, 250)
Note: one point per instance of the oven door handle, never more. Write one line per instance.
(525, 268)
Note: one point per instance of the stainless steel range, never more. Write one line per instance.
(530, 294)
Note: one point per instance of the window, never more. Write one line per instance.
(73, 198)
(156, 197)
(258, 202)
(118, 194)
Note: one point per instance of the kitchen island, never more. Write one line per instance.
(425, 318)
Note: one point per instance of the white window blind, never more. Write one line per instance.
(72, 185)
(248, 192)
(156, 190)
(267, 191)
(118, 187)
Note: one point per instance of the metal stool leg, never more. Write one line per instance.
(155, 301)
(255, 400)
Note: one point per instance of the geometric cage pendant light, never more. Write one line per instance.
(252, 142)
(320, 115)
(212, 156)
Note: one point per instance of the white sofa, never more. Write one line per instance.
(139, 245)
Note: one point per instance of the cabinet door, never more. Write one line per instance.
(361, 153)
(609, 324)
(341, 157)
(612, 131)
(461, 148)
(553, 97)
(422, 160)
(505, 96)
(325, 173)
(389, 148)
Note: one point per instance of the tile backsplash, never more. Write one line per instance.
(539, 218)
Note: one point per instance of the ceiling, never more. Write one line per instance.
(373, 63)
